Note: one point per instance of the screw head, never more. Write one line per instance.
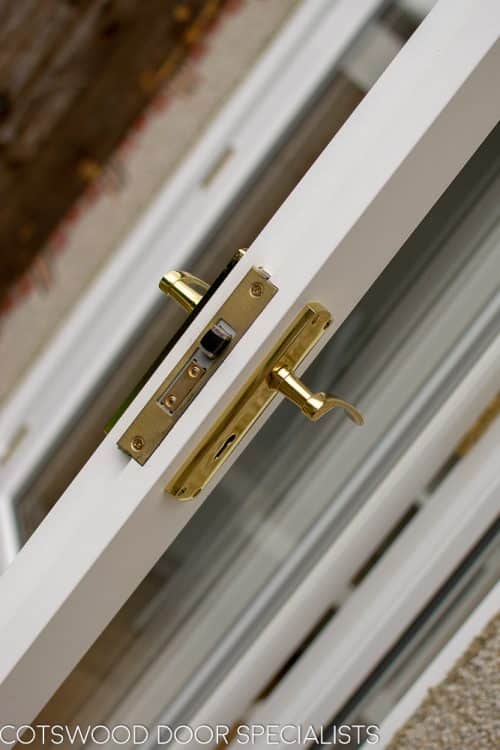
(256, 289)
(194, 370)
(137, 443)
(170, 400)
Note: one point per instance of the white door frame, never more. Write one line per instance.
(341, 226)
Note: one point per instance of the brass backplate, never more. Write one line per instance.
(157, 418)
(247, 407)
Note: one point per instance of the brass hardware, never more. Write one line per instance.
(197, 365)
(182, 387)
(137, 443)
(194, 371)
(313, 405)
(184, 288)
(238, 255)
(256, 289)
(255, 396)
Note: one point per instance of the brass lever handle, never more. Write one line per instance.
(274, 375)
(188, 290)
(184, 288)
(313, 405)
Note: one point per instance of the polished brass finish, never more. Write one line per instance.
(184, 288)
(313, 405)
(176, 394)
(256, 395)
(256, 289)
(191, 373)
(137, 443)
(194, 371)
(222, 276)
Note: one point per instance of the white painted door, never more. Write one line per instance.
(327, 244)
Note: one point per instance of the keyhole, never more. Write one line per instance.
(225, 445)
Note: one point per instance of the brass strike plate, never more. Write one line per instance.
(197, 366)
(246, 408)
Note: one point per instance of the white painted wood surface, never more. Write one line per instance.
(329, 241)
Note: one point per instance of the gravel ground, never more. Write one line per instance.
(463, 712)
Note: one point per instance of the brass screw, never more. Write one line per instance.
(257, 289)
(194, 371)
(170, 400)
(138, 443)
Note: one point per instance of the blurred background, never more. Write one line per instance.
(99, 101)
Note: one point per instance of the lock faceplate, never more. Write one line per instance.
(198, 364)
(244, 411)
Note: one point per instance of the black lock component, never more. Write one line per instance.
(215, 341)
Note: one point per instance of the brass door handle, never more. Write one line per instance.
(313, 405)
(188, 290)
(274, 375)
(184, 288)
